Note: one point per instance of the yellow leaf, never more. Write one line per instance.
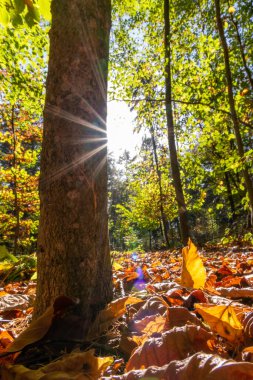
(244, 91)
(113, 311)
(222, 319)
(117, 266)
(193, 271)
(231, 10)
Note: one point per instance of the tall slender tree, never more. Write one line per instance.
(185, 231)
(236, 124)
(73, 249)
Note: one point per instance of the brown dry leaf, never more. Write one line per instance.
(200, 366)
(36, 331)
(193, 271)
(180, 316)
(140, 325)
(5, 339)
(236, 293)
(153, 306)
(222, 320)
(75, 366)
(230, 281)
(247, 354)
(148, 327)
(112, 312)
(39, 327)
(248, 325)
(175, 344)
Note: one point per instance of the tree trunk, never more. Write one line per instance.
(243, 55)
(230, 196)
(15, 183)
(184, 227)
(73, 248)
(247, 178)
(161, 197)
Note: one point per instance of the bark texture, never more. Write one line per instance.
(73, 249)
(184, 227)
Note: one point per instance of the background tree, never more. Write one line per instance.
(22, 62)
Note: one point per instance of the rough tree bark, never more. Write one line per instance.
(184, 227)
(239, 142)
(73, 249)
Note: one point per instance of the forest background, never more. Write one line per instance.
(143, 212)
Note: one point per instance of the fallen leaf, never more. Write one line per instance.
(113, 311)
(199, 366)
(5, 339)
(36, 331)
(248, 325)
(193, 271)
(153, 306)
(175, 344)
(236, 293)
(180, 316)
(222, 320)
(81, 366)
(39, 327)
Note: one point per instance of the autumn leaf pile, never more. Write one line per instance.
(176, 315)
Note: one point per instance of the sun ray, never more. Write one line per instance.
(83, 140)
(57, 111)
(91, 108)
(65, 169)
(96, 66)
(100, 166)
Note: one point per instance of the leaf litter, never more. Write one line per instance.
(175, 315)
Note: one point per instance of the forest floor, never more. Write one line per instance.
(175, 315)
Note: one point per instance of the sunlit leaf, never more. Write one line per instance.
(222, 320)
(193, 271)
(44, 6)
(231, 9)
(199, 366)
(4, 15)
(112, 312)
(175, 344)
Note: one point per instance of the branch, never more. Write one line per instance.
(195, 103)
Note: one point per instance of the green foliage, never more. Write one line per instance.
(24, 12)
(23, 70)
(211, 169)
(17, 269)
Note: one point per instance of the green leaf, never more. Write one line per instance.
(4, 16)
(33, 16)
(5, 255)
(45, 11)
(19, 5)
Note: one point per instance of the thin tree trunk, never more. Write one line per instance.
(184, 227)
(243, 55)
(15, 183)
(73, 247)
(230, 196)
(247, 178)
(161, 197)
